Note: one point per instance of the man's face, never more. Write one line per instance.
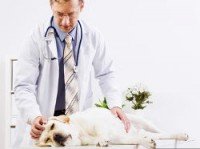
(66, 14)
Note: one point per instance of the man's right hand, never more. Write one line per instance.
(37, 127)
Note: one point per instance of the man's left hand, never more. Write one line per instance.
(117, 111)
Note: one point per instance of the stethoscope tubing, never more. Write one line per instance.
(79, 46)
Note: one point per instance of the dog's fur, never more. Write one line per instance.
(98, 126)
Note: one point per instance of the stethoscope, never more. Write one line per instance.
(54, 58)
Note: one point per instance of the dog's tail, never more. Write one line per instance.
(141, 123)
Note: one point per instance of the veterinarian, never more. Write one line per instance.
(55, 70)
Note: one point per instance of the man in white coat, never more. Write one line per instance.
(40, 89)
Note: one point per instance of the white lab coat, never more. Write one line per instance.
(36, 82)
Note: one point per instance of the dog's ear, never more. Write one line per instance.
(61, 118)
(64, 118)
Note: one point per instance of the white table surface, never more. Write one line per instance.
(160, 144)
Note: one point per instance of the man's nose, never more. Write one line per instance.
(65, 21)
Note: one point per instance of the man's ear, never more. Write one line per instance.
(61, 118)
(81, 5)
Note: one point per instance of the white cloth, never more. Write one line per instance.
(36, 83)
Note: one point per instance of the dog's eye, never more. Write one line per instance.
(69, 136)
(47, 140)
(52, 126)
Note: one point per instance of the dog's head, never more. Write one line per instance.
(58, 132)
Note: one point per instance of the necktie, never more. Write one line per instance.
(70, 77)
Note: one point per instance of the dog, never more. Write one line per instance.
(98, 126)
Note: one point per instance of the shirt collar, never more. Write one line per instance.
(62, 35)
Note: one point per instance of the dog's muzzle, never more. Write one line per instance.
(60, 139)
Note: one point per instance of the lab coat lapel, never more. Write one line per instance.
(52, 53)
(51, 42)
(83, 68)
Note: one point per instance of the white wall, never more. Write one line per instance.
(153, 42)
(17, 18)
(159, 48)
(2, 103)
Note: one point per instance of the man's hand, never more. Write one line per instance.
(37, 127)
(119, 113)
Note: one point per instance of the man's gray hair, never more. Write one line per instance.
(52, 1)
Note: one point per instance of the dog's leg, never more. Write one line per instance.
(95, 140)
(95, 135)
(102, 140)
(88, 140)
(101, 137)
(164, 136)
(137, 140)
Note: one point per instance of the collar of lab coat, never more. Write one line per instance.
(51, 40)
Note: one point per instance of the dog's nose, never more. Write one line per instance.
(60, 139)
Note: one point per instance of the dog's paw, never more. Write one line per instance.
(149, 143)
(102, 143)
(152, 144)
(181, 137)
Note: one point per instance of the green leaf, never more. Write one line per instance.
(102, 104)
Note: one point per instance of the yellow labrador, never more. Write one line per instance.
(98, 126)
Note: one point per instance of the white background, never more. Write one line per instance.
(154, 42)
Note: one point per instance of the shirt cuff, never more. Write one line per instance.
(114, 103)
(32, 116)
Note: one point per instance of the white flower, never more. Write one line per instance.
(129, 95)
(139, 88)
